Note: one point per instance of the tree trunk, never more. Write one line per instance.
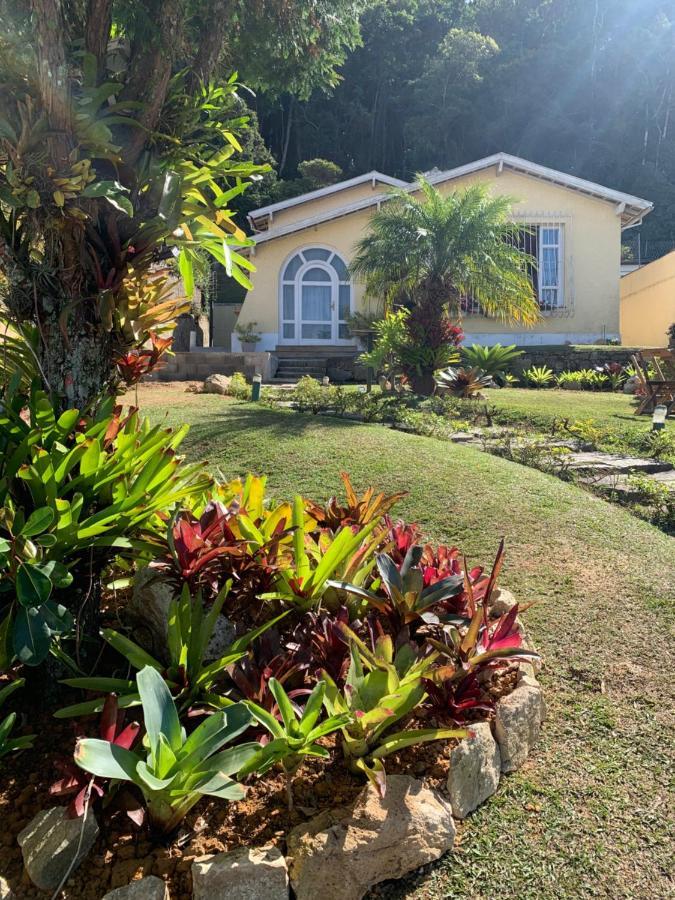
(423, 382)
(77, 369)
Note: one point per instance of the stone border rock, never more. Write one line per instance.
(341, 853)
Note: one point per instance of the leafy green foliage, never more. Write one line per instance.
(494, 361)
(539, 376)
(9, 744)
(382, 687)
(193, 681)
(177, 769)
(294, 735)
(70, 486)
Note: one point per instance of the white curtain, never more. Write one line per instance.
(316, 299)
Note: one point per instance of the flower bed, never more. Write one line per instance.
(269, 671)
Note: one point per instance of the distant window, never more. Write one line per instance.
(544, 244)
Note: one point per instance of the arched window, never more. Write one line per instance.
(316, 297)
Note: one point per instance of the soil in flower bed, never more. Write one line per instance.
(124, 852)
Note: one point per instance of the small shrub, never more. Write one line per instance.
(310, 395)
(239, 387)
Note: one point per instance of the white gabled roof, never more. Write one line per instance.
(374, 177)
(631, 209)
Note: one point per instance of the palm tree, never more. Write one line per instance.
(428, 252)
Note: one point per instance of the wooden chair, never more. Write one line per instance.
(655, 370)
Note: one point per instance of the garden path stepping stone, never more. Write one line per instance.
(49, 844)
(609, 463)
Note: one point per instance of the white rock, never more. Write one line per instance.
(343, 852)
(6, 893)
(217, 384)
(501, 602)
(149, 607)
(518, 721)
(475, 766)
(245, 874)
(149, 888)
(49, 845)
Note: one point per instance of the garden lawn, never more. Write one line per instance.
(590, 813)
(614, 411)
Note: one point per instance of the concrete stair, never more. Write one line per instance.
(291, 369)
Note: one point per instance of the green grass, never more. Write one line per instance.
(590, 814)
(540, 408)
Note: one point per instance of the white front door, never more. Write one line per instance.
(316, 298)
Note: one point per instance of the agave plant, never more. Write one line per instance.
(382, 687)
(176, 770)
(73, 781)
(463, 383)
(294, 734)
(193, 681)
(358, 511)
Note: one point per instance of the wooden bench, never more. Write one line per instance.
(655, 370)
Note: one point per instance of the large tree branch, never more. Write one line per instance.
(213, 23)
(97, 31)
(150, 71)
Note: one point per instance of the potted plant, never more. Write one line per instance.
(248, 336)
(671, 337)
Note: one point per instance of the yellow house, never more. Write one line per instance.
(303, 295)
(648, 303)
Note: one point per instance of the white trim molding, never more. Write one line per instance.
(631, 210)
(374, 177)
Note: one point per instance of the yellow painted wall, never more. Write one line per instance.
(592, 242)
(648, 303)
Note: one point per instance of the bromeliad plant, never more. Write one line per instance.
(382, 688)
(358, 511)
(76, 490)
(74, 783)
(173, 770)
(194, 682)
(463, 383)
(294, 735)
(302, 580)
(408, 602)
(494, 361)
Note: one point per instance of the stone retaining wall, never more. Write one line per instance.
(197, 365)
(571, 358)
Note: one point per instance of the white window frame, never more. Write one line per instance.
(559, 245)
(296, 283)
(472, 308)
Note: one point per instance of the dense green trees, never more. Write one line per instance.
(119, 146)
(583, 86)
